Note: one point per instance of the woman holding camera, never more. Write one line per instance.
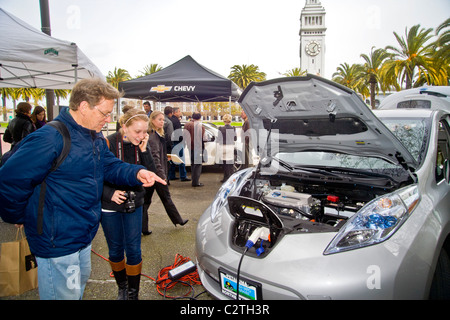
(122, 206)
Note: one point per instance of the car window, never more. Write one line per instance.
(414, 104)
(443, 149)
(412, 132)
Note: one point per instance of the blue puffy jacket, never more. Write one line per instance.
(72, 204)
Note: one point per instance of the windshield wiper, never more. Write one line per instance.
(283, 164)
(357, 175)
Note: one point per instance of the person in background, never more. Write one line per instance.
(125, 108)
(168, 128)
(158, 148)
(246, 140)
(193, 135)
(147, 108)
(61, 238)
(122, 205)
(226, 146)
(177, 147)
(20, 126)
(38, 117)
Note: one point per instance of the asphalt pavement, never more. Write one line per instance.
(159, 249)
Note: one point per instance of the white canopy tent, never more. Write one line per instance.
(30, 58)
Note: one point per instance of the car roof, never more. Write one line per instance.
(406, 113)
(438, 98)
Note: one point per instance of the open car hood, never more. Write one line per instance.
(314, 114)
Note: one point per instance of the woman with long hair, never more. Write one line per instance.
(122, 206)
(159, 153)
(38, 117)
(20, 126)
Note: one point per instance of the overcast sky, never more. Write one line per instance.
(219, 34)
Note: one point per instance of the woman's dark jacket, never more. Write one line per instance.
(129, 153)
(159, 153)
(18, 128)
(228, 134)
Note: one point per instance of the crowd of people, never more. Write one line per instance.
(24, 123)
(108, 181)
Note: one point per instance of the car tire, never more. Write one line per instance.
(440, 287)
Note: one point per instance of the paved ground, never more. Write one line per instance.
(159, 249)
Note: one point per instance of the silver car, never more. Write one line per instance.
(434, 97)
(213, 150)
(344, 204)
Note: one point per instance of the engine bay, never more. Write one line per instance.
(300, 206)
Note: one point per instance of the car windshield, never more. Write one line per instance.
(335, 160)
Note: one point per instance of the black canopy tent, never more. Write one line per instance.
(184, 81)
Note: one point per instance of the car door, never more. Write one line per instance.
(442, 160)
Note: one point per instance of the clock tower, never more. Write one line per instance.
(312, 38)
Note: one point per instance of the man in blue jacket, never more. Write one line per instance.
(72, 207)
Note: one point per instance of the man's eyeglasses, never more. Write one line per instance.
(106, 115)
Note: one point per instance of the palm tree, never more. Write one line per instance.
(441, 56)
(60, 93)
(243, 75)
(412, 58)
(118, 75)
(295, 72)
(6, 93)
(348, 76)
(371, 70)
(150, 69)
(28, 93)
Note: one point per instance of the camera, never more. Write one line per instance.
(130, 205)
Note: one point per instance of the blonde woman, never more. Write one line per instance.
(159, 153)
(122, 205)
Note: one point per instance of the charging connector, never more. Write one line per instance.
(262, 233)
(182, 270)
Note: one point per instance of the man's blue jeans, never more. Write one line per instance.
(64, 278)
(123, 234)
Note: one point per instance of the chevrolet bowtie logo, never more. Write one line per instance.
(160, 89)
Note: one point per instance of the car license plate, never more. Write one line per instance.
(248, 290)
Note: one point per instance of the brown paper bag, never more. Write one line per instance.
(18, 268)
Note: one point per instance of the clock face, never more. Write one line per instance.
(313, 48)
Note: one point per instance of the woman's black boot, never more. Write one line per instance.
(120, 274)
(134, 279)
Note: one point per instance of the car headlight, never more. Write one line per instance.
(376, 221)
(234, 182)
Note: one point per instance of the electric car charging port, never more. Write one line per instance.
(252, 216)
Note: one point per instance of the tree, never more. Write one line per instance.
(27, 93)
(412, 58)
(348, 76)
(370, 72)
(6, 93)
(441, 56)
(60, 93)
(243, 75)
(150, 69)
(295, 72)
(118, 75)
